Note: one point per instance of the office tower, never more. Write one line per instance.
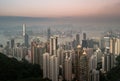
(68, 68)
(24, 29)
(98, 54)
(83, 67)
(48, 34)
(26, 40)
(76, 62)
(26, 37)
(107, 42)
(84, 41)
(102, 46)
(117, 46)
(74, 44)
(108, 62)
(84, 36)
(77, 39)
(94, 75)
(90, 43)
(60, 55)
(54, 69)
(112, 45)
(12, 43)
(46, 65)
(53, 45)
(104, 63)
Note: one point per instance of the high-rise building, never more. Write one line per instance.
(84, 41)
(83, 67)
(84, 36)
(68, 68)
(98, 54)
(26, 40)
(77, 39)
(60, 55)
(12, 43)
(53, 45)
(46, 65)
(26, 37)
(107, 42)
(108, 62)
(54, 69)
(48, 34)
(37, 50)
(92, 62)
(94, 75)
(117, 46)
(76, 62)
(112, 45)
(24, 29)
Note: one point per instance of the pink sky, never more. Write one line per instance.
(59, 8)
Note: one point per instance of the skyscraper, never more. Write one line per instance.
(12, 43)
(77, 39)
(84, 36)
(37, 50)
(26, 37)
(108, 61)
(68, 68)
(53, 45)
(48, 34)
(83, 67)
(84, 41)
(54, 70)
(60, 55)
(107, 42)
(46, 65)
(94, 75)
(24, 29)
(76, 62)
(26, 40)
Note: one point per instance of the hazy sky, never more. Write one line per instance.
(59, 8)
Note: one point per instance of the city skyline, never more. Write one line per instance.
(60, 8)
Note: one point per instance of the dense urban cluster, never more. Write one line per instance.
(81, 59)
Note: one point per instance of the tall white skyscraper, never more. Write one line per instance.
(107, 42)
(53, 45)
(24, 29)
(46, 65)
(117, 46)
(54, 70)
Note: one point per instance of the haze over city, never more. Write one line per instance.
(59, 40)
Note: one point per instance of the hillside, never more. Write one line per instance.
(13, 70)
